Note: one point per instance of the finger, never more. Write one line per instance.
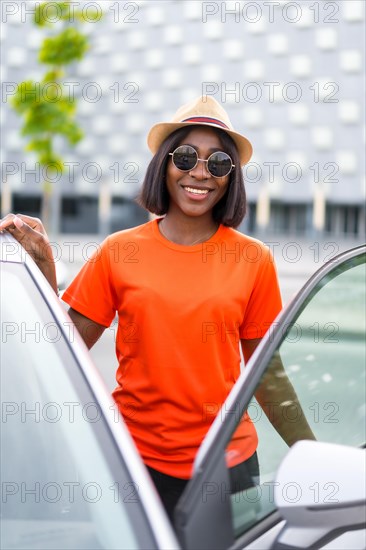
(23, 231)
(7, 221)
(31, 240)
(28, 235)
(18, 222)
(17, 228)
(34, 223)
(11, 223)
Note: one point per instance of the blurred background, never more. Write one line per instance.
(290, 75)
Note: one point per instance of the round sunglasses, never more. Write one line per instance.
(185, 158)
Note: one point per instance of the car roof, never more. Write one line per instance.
(10, 249)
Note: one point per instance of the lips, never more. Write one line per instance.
(199, 191)
(196, 194)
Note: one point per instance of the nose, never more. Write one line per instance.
(200, 171)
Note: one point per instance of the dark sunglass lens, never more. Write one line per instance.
(185, 158)
(219, 164)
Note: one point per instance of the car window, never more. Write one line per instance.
(63, 483)
(323, 355)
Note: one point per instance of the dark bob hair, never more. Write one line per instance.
(154, 197)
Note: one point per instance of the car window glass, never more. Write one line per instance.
(323, 355)
(58, 490)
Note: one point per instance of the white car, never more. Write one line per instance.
(71, 477)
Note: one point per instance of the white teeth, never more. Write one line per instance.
(197, 191)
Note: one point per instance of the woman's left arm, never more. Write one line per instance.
(277, 397)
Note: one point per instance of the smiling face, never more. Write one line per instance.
(196, 192)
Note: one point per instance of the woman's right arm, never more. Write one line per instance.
(31, 234)
(89, 330)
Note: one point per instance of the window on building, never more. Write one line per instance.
(29, 205)
(345, 219)
(79, 214)
(249, 225)
(290, 218)
(126, 213)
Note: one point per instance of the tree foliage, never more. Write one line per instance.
(47, 108)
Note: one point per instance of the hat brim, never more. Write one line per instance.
(159, 132)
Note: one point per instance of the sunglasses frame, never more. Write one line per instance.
(202, 160)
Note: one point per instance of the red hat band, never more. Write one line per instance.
(207, 120)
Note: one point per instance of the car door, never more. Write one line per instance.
(71, 476)
(320, 339)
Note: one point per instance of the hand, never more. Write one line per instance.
(31, 234)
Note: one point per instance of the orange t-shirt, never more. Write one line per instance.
(182, 311)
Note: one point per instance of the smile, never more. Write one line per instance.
(196, 191)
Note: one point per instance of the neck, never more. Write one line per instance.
(188, 231)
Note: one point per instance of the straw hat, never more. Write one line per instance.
(203, 110)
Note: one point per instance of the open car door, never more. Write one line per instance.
(320, 338)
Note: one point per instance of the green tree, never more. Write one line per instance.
(47, 107)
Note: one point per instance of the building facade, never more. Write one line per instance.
(290, 75)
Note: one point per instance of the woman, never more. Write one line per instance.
(188, 289)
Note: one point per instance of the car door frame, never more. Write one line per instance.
(191, 519)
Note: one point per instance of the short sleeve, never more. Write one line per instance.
(265, 301)
(91, 292)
